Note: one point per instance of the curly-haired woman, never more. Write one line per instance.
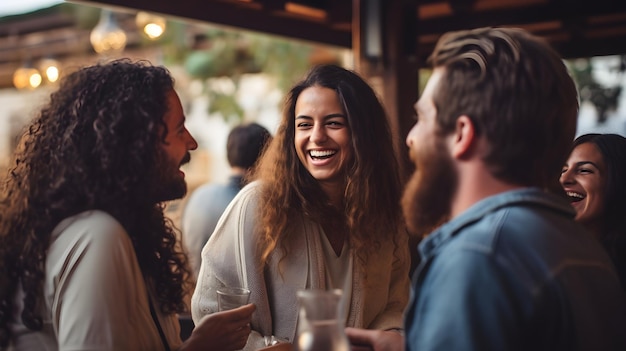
(87, 258)
(323, 213)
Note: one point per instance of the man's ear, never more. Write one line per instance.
(464, 137)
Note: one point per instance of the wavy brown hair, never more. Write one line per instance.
(95, 145)
(516, 90)
(372, 193)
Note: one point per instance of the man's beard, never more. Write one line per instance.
(427, 198)
(170, 184)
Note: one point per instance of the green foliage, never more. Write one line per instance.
(424, 76)
(226, 104)
(288, 61)
(174, 41)
(604, 99)
(227, 55)
(234, 53)
(86, 17)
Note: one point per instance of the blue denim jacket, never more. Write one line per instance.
(515, 272)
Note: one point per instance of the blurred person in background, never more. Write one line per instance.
(594, 178)
(206, 204)
(88, 261)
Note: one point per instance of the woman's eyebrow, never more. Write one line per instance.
(332, 115)
(582, 163)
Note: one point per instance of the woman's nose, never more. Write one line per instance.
(318, 134)
(566, 177)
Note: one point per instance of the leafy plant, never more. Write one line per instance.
(233, 54)
(604, 99)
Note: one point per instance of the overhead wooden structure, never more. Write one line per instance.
(391, 39)
(578, 28)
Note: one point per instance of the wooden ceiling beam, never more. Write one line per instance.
(340, 13)
(245, 15)
(588, 47)
(273, 5)
(589, 44)
(517, 16)
(17, 26)
(461, 7)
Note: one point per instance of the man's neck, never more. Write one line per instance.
(475, 184)
(237, 171)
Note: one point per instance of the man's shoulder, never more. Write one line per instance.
(92, 236)
(211, 199)
(93, 225)
(210, 190)
(519, 236)
(519, 223)
(524, 210)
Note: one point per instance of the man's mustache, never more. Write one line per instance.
(186, 159)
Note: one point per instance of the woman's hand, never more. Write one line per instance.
(375, 340)
(224, 331)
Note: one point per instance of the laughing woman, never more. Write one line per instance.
(593, 178)
(323, 213)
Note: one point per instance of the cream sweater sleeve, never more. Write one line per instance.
(229, 259)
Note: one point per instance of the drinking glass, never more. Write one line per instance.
(320, 327)
(231, 297)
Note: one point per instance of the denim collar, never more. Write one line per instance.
(528, 196)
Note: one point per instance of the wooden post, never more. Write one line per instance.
(389, 64)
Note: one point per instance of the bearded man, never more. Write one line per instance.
(505, 267)
(88, 260)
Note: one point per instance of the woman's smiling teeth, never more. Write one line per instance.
(575, 197)
(321, 154)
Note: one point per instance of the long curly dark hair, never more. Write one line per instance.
(372, 193)
(613, 233)
(95, 145)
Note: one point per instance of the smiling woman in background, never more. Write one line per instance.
(594, 179)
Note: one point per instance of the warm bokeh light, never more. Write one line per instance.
(153, 30)
(52, 74)
(107, 36)
(50, 69)
(35, 80)
(153, 26)
(26, 77)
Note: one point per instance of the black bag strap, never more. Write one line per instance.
(158, 325)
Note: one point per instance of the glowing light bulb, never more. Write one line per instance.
(35, 79)
(107, 37)
(26, 77)
(153, 30)
(50, 69)
(153, 26)
(52, 74)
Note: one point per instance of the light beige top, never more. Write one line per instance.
(379, 289)
(94, 293)
(339, 272)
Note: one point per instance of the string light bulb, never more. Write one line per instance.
(152, 25)
(107, 36)
(50, 69)
(27, 77)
